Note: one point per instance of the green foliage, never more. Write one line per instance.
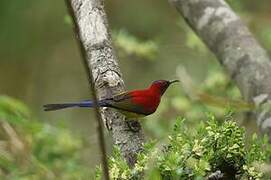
(193, 42)
(265, 35)
(119, 167)
(33, 150)
(130, 45)
(68, 20)
(189, 155)
(13, 110)
(236, 5)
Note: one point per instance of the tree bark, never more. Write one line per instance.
(94, 33)
(239, 53)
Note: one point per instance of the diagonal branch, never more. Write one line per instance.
(94, 95)
(102, 66)
(239, 53)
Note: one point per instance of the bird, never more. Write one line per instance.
(133, 104)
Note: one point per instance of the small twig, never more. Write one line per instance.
(92, 86)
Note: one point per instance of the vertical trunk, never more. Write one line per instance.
(94, 35)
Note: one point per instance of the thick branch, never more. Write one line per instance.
(237, 50)
(94, 34)
(93, 90)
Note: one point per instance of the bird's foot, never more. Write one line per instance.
(133, 125)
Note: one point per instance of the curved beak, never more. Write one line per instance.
(173, 81)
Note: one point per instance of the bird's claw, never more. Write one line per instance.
(133, 126)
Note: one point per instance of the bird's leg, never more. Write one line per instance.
(133, 125)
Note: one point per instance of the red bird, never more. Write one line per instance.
(137, 103)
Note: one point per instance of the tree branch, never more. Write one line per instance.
(96, 41)
(94, 95)
(239, 53)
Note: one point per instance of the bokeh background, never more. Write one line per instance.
(40, 61)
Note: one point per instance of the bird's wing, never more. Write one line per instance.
(122, 96)
(125, 102)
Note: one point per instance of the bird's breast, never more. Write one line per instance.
(148, 101)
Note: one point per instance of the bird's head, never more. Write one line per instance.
(162, 85)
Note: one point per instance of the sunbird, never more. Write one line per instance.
(133, 104)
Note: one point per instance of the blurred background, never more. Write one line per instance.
(40, 63)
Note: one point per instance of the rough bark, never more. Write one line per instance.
(94, 34)
(100, 129)
(239, 53)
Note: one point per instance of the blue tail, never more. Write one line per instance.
(88, 103)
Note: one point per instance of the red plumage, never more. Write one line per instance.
(149, 99)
